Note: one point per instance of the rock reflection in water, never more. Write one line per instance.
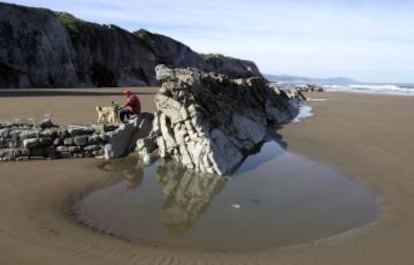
(276, 198)
(186, 195)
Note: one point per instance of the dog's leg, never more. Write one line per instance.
(99, 111)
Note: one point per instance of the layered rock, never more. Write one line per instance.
(27, 140)
(42, 48)
(209, 122)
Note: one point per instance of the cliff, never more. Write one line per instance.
(43, 48)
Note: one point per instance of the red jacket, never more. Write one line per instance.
(132, 104)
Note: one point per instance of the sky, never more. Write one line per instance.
(367, 40)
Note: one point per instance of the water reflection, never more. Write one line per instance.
(134, 177)
(186, 195)
(276, 198)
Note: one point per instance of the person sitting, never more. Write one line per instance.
(132, 105)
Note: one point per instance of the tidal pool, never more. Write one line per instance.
(275, 199)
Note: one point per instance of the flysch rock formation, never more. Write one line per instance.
(43, 48)
(209, 122)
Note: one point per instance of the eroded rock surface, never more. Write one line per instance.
(209, 122)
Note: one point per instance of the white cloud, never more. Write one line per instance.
(370, 40)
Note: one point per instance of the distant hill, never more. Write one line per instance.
(318, 81)
(43, 48)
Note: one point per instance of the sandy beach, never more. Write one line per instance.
(368, 138)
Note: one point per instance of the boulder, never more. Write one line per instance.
(123, 140)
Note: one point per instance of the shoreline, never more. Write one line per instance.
(362, 136)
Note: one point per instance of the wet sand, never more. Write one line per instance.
(368, 138)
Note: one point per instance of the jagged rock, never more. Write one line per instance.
(209, 122)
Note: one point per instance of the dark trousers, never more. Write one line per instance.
(125, 113)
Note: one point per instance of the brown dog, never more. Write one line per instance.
(108, 114)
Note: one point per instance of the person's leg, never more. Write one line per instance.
(123, 113)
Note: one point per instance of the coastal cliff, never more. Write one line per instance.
(43, 48)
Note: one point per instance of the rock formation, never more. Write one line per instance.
(209, 122)
(122, 141)
(42, 48)
(29, 140)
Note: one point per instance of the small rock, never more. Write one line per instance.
(62, 149)
(91, 148)
(81, 140)
(51, 132)
(22, 158)
(163, 73)
(45, 141)
(74, 149)
(31, 143)
(45, 151)
(78, 155)
(37, 157)
(46, 123)
(5, 133)
(65, 155)
(3, 143)
(57, 141)
(98, 152)
(94, 139)
(76, 131)
(29, 134)
(68, 141)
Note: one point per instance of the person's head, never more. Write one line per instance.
(127, 92)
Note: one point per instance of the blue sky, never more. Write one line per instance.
(367, 40)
